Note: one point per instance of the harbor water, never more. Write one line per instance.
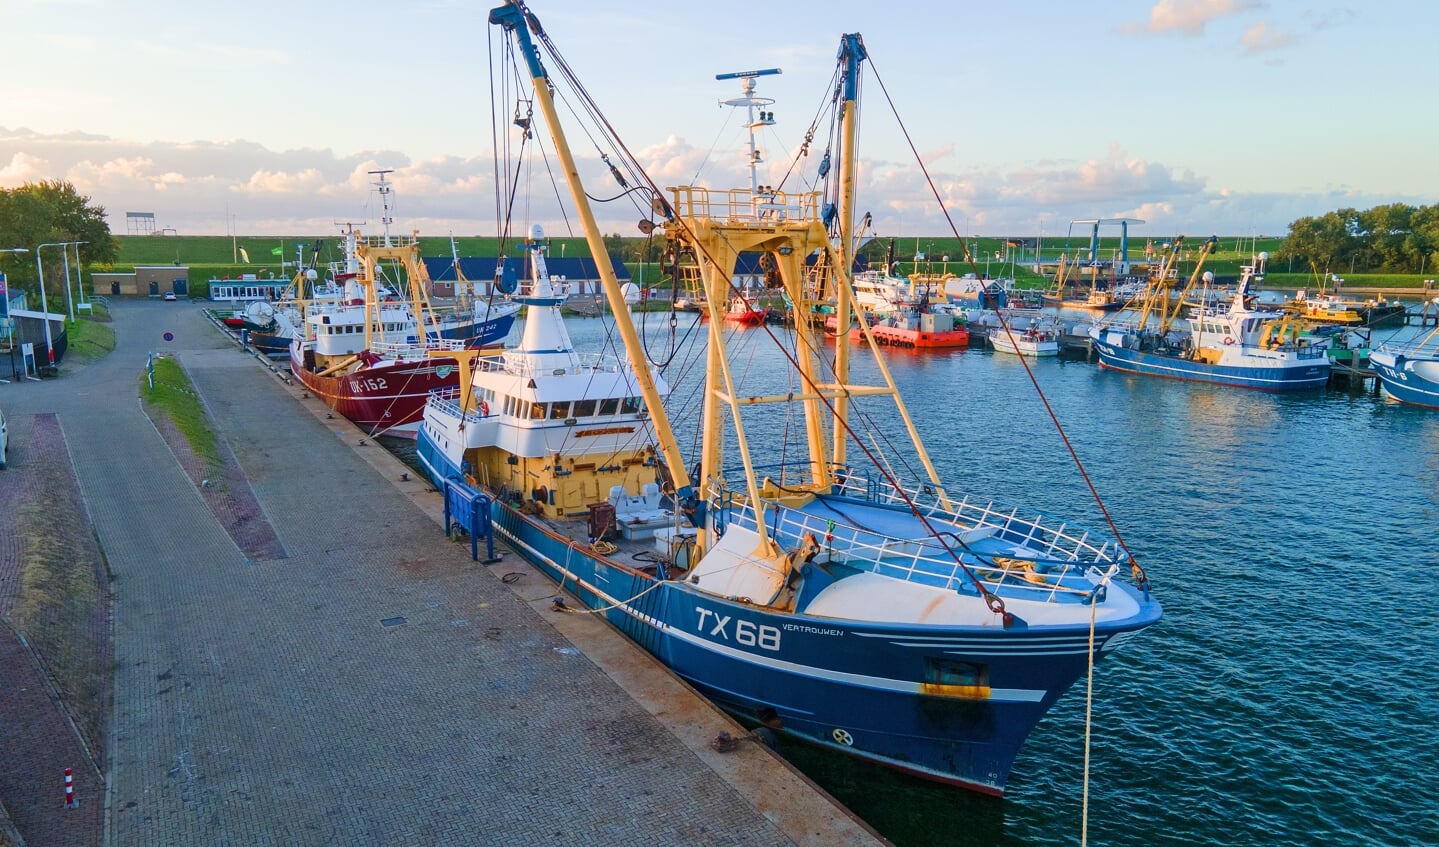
(1288, 695)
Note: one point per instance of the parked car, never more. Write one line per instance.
(4, 440)
(169, 295)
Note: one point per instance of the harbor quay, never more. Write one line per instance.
(357, 678)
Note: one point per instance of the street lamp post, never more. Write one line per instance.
(65, 263)
(44, 303)
(79, 279)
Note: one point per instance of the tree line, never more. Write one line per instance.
(1393, 238)
(50, 212)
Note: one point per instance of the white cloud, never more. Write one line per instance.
(200, 187)
(1188, 17)
(23, 168)
(1262, 37)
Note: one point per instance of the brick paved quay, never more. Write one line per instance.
(266, 701)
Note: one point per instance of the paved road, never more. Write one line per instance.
(267, 701)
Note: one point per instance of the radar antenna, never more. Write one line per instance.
(748, 101)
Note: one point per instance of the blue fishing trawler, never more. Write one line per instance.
(1409, 371)
(1230, 343)
(894, 619)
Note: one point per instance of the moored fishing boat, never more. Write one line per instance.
(1409, 371)
(920, 327)
(1231, 344)
(903, 313)
(369, 358)
(270, 328)
(1329, 307)
(744, 310)
(1067, 294)
(900, 622)
(1036, 341)
(1323, 308)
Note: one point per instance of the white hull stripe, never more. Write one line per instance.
(1022, 695)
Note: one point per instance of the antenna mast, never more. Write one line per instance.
(748, 101)
(384, 188)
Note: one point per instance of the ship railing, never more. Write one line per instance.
(938, 562)
(387, 240)
(580, 363)
(746, 207)
(447, 400)
(558, 287)
(414, 350)
(1057, 540)
(1305, 351)
(1426, 346)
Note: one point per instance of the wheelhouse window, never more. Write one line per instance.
(559, 411)
(583, 409)
(632, 405)
(609, 405)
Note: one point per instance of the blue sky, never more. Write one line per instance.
(1199, 116)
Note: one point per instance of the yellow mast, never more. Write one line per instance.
(1159, 287)
(717, 226)
(514, 18)
(1178, 304)
(852, 52)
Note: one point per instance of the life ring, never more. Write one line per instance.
(484, 409)
(1228, 340)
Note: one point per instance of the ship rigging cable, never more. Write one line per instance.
(1136, 569)
(993, 601)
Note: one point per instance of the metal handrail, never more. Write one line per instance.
(579, 363)
(926, 561)
(407, 350)
(745, 206)
(970, 515)
(1428, 346)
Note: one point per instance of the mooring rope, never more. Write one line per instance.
(1088, 722)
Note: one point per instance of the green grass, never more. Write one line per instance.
(213, 256)
(90, 340)
(174, 396)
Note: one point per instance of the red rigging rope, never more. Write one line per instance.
(1135, 569)
(994, 602)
